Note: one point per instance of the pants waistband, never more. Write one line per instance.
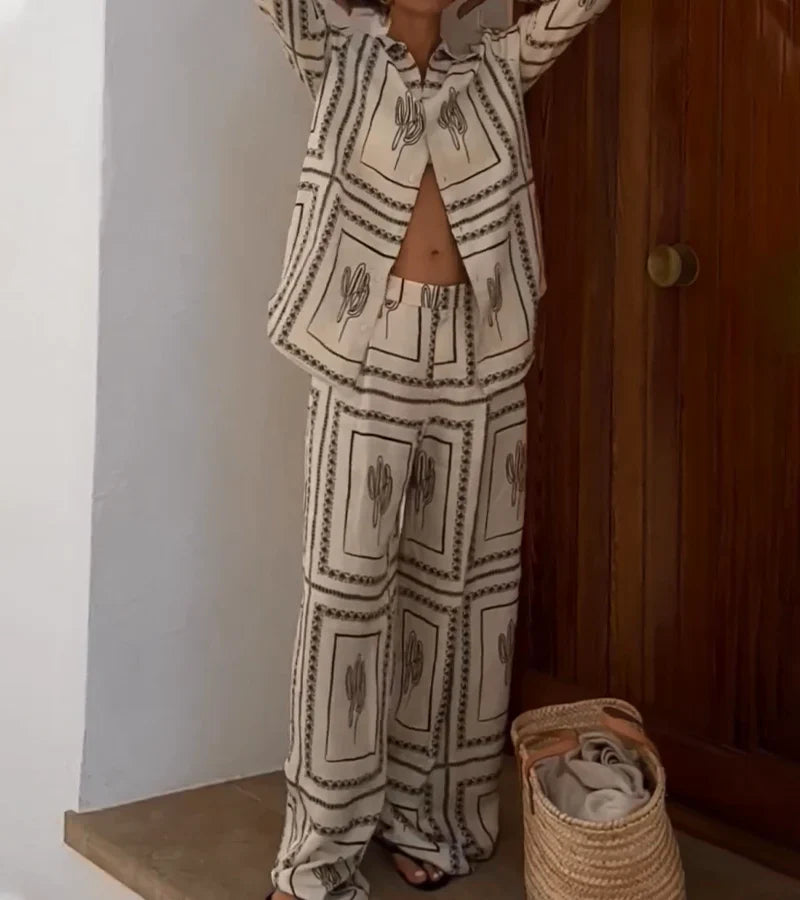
(429, 296)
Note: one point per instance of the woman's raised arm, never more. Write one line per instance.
(304, 31)
(547, 31)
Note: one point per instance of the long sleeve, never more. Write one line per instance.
(546, 32)
(305, 33)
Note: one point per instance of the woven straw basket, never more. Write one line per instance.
(635, 858)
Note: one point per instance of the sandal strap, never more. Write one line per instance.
(396, 851)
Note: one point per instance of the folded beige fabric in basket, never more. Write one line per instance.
(599, 781)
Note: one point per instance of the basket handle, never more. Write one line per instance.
(627, 727)
(548, 744)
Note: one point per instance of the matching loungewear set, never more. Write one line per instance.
(415, 446)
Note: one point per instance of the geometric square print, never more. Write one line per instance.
(508, 323)
(345, 313)
(377, 475)
(396, 154)
(365, 472)
(489, 633)
(496, 657)
(348, 652)
(501, 507)
(437, 503)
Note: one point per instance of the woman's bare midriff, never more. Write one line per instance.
(429, 253)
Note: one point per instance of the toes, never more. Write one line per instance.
(411, 870)
(418, 873)
(433, 873)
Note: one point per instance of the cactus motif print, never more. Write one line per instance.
(413, 665)
(422, 484)
(516, 469)
(452, 119)
(380, 486)
(355, 294)
(494, 288)
(409, 117)
(356, 691)
(505, 649)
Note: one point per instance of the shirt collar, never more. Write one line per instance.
(379, 27)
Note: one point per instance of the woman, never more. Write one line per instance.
(409, 292)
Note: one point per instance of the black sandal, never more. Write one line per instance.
(428, 885)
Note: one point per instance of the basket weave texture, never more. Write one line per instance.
(635, 858)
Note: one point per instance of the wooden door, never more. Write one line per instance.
(664, 524)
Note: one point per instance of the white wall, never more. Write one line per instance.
(51, 69)
(198, 482)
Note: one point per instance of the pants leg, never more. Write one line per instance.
(454, 638)
(413, 517)
(359, 450)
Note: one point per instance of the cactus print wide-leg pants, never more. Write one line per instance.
(414, 505)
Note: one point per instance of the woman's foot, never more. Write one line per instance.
(416, 873)
(421, 875)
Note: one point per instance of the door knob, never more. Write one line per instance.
(673, 265)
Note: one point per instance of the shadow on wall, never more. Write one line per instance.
(9, 11)
(198, 481)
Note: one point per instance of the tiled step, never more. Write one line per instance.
(217, 843)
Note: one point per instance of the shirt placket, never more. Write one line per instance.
(410, 121)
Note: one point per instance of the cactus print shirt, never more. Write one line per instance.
(376, 126)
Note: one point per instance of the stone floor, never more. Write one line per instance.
(215, 843)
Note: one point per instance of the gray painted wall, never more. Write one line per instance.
(51, 93)
(197, 503)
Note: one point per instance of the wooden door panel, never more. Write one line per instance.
(567, 586)
(685, 635)
(720, 508)
(759, 403)
(720, 500)
(706, 619)
(664, 517)
(629, 350)
(663, 643)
